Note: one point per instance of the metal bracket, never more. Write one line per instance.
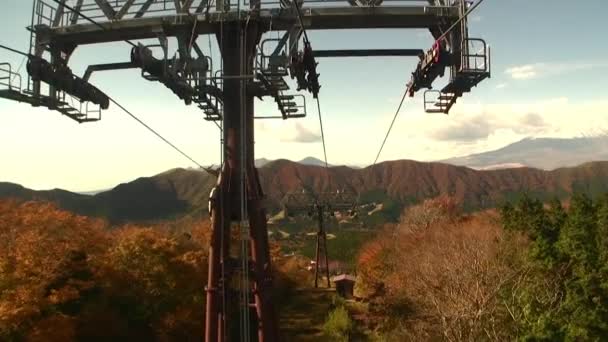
(106, 67)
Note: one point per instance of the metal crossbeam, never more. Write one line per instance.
(315, 19)
(369, 53)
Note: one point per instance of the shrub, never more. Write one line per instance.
(429, 213)
(338, 325)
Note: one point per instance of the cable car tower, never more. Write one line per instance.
(226, 94)
(320, 205)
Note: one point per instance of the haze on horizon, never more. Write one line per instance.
(546, 82)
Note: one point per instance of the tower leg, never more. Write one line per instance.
(218, 272)
(237, 43)
(260, 250)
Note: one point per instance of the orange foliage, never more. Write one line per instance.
(441, 278)
(38, 248)
(66, 277)
(442, 209)
(56, 328)
(372, 265)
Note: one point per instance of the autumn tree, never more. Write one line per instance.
(45, 268)
(65, 277)
(440, 274)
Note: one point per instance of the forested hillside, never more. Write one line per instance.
(184, 193)
(532, 272)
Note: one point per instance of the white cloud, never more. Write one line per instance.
(533, 120)
(523, 72)
(475, 127)
(292, 131)
(501, 86)
(305, 135)
(471, 127)
(536, 70)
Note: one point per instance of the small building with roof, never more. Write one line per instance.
(345, 285)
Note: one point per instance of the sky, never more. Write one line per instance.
(549, 79)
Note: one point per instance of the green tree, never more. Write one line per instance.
(546, 233)
(564, 296)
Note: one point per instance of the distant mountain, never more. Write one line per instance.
(92, 192)
(306, 161)
(182, 192)
(261, 162)
(65, 199)
(173, 193)
(313, 162)
(541, 153)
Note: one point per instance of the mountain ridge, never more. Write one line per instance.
(180, 192)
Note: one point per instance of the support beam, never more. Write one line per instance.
(59, 14)
(186, 6)
(143, 9)
(106, 8)
(124, 9)
(198, 50)
(201, 6)
(107, 67)
(75, 15)
(369, 53)
(178, 6)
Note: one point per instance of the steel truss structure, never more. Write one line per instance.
(58, 27)
(320, 206)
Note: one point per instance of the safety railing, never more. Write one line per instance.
(475, 56)
(9, 79)
(276, 62)
(45, 11)
(357, 3)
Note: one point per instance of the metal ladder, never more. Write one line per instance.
(271, 72)
(439, 102)
(211, 106)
